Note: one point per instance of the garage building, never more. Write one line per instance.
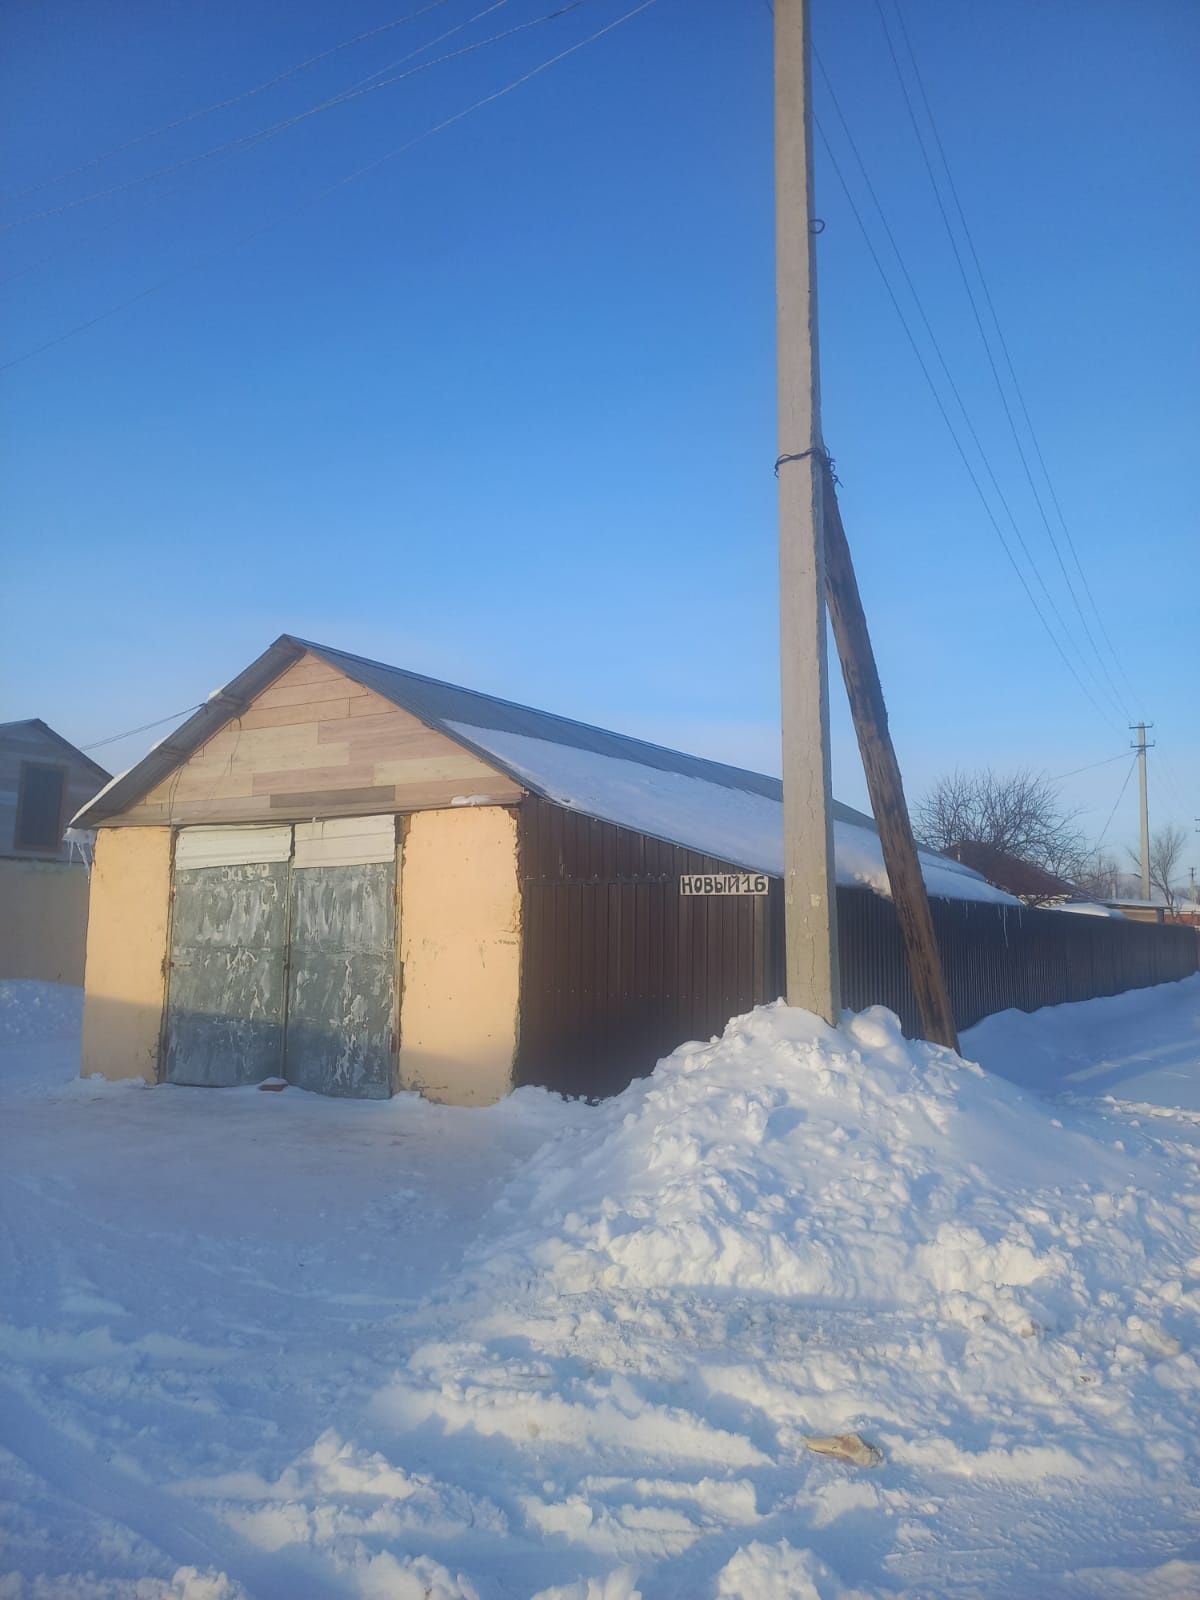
(359, 879)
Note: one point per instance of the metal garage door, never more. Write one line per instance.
(283, 956)
(341, 986)
(225, 1009)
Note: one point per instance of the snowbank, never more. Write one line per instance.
(360, 1351)
(794, 1160)
(38, 1013)
(797, 1230)
(1139, 1047)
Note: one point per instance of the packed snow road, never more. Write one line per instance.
(275, 1346)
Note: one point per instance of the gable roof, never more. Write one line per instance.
(726, 812)
(48, 732)
(1010, 872)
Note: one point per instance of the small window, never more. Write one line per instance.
(40, 807)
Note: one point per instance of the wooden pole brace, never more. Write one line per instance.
(884, 784)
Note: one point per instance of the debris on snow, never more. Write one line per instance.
(851, 1447)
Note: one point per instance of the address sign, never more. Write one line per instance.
(723, 883)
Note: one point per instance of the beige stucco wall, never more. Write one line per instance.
(460, 914)
(125, 980)
(43, 920)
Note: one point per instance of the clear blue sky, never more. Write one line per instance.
(502, 410)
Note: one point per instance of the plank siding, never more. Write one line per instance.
(22, 742)
(314, 739)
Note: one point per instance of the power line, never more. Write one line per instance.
(227, 151)
(367, 85)
(1168, 772)
(945, 415)
(1107, 762)
(222, 105)
(322, 194)
(1029, 556)
(115, 738)
(1116, 803)
(920, 81)
(991, 360)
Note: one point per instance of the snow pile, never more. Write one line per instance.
(792, 1160)
(274, 1345)
(39, 1027)
(796, 1231)
(39, 1013)
(1140, 1049)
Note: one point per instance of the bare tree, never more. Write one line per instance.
(1167, 845)
(1101, 876)
(1020, 813)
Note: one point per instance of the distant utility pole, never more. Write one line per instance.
(809, 883)
(1140, 745)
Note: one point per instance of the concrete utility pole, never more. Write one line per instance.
(809, 885)
(1140, 745)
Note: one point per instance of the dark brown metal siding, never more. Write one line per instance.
(618, 968)
(1002, 957)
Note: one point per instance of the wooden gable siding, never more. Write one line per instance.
(314, 743)
(25, 741)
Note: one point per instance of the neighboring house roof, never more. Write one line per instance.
(48, 732)
(722, 811)
(1011, 873)
(1088, 908)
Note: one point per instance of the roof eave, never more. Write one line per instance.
(59, 739)
(187, 738)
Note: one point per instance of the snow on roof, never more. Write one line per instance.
(734, 825)
(1087, 908)
(727, 812)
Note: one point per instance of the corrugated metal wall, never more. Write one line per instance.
(1002, 957)
(618, 968)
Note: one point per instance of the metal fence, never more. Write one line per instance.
(998, 958)
(619, 967)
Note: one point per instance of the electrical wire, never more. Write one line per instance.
(1107, 762)
(1168, 772)
(991, 360)
(1116, 803)
(226, 152)
(222, 105)
(364, 86)
(1029, 556)
(322, 194)
(115, 738)
(1055, 640)
(1003, 342)
(945, 415)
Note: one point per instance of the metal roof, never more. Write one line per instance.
(444, 706)
(439, 705)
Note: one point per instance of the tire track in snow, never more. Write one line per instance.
(182, 1531)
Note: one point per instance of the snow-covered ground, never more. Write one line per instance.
(283, 1347)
